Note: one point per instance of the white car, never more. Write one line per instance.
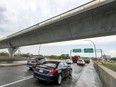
(80, 62)
(69, 61)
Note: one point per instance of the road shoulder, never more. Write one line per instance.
(89, 77)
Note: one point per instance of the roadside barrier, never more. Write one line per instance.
(107, 76)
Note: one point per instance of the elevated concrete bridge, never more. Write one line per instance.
(93, 19)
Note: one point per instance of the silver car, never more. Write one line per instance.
(69, 61)
(33, 61)
(80, 62)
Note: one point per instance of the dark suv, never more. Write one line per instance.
(87, 60)
(34, 60)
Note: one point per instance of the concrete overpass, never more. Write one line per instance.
(94, 19)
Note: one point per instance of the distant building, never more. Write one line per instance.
(107, 57)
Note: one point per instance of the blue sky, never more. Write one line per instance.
(15, 17)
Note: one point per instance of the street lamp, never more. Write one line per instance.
(39, 49)
(94, 47)
(70, 54)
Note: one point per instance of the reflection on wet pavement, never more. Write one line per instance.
(89, 78)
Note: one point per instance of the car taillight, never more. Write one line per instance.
(52, 71)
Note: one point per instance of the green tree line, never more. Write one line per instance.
(63, 56)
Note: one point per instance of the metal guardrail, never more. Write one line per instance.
(63, 15)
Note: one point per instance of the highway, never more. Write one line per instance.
(21, 76)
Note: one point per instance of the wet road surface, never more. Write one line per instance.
(89, 78)
(10, 74)
(21, 76)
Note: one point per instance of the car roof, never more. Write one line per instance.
(53, 61)
(81, 59)
(56, 61)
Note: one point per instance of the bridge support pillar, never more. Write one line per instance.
(12, 50)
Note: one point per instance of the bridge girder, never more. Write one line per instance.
(99, 20)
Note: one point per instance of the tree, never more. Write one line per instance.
(4, 54)
(64, 56)
(53, 56)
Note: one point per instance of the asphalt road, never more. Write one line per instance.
(21, 76)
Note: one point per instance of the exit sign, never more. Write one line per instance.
(88, 50)
(76, 50)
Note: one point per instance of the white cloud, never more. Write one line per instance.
(112, 53)
(24, 13)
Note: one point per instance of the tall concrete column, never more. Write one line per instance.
(12, 50)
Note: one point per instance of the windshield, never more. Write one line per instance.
(41, 60)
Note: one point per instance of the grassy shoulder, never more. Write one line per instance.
(16, 58)
(110, 64)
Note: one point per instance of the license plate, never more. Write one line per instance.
(40, 70)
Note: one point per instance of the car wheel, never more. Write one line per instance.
(39, 80)
(59, 79)
(70, 74)
(30, 68)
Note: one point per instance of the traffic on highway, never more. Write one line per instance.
(50, 73)
(58, 43)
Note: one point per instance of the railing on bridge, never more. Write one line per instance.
(55, 18)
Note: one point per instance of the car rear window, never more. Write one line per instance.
(50, 64)
(31, 59)
(80, 60)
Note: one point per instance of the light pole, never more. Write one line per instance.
(94, 47)
(39, 49)
(70, 54)
(101, 53)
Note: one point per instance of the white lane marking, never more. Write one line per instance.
(25, 78)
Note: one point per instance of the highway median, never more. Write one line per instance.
(13, 63)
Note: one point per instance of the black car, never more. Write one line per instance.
(52, 71)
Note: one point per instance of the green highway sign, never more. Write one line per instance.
(76, 50)
(88, 50)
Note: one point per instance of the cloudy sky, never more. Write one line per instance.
(16, 15)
